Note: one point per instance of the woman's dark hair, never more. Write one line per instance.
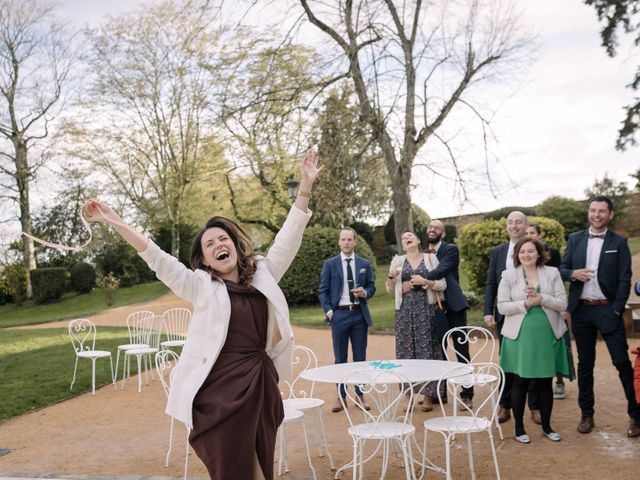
(539, 247)
(242, 242)
(535, 227)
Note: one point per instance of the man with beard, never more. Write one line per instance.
(455, 303)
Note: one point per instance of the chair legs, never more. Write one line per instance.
(73, 380)
(283, 450)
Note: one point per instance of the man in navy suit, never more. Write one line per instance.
(346, 283)
(597, 262)
(501, 259)
(455, 303)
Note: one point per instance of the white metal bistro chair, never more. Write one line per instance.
(292, 416)
(484, 349)
(386, 422)
(144, 354)
(475, 420)
(166, 361)
(176, 325)
(299, 396)
(138, 324)
(83, 338)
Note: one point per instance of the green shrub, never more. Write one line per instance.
(300, 283)
(421, 221)
(109, 285)
(48, 284)
(450, 232)
(83, 277)
(119, 258)
(572, 214)
(476, 239)
(505, 211)
(13, 283)
(364, 230)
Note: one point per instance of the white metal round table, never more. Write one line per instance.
(416, 371)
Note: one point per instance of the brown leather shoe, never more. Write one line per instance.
(427, 404)
(363, 402)
(634, 429)
(586, 425)
(535, 416)
(504, 414)
(337, 406)
(467, 404)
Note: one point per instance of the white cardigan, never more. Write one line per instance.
(212, 310)
(511, 298)
(431, 262)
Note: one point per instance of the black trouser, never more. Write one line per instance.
(459, 319)
(505, 399)
(586, 322)
(545, 401)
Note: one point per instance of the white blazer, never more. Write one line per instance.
(431, 262)
(511, 298)
(212, 310)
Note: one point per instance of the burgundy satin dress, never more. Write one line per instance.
(238, 409)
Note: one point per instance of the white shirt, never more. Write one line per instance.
(510, 250)
(591, 289)
(344, 298)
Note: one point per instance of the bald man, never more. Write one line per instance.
(501, 259)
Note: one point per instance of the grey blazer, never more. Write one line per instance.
(511, 298)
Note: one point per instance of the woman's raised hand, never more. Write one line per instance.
(309, 168)
(95, 211)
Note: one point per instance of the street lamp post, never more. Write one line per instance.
(292, 187)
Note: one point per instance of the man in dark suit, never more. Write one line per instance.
(597, 262)
(346, 283)
(501, 259)
(455, 303)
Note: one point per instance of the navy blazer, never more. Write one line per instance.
(332, 282)
(497, 265)
(614, 268)
(449, 259)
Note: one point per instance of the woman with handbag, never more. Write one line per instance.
(416, 303)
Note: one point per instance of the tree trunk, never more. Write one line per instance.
(403, 217)
(22, 181)
(175, 239)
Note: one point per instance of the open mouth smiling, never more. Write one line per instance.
(222, 256)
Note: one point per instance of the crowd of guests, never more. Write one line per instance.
(525, 302)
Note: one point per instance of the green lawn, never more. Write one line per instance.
(381, 306)
(634, 245)
(73, 305)
(36, 367)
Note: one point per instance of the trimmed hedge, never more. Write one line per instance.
(476, 239)
(300, 283)
(48, 284)
(83, 277)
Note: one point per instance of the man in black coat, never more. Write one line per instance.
(501, 259)
(455, 302)
(597, 262)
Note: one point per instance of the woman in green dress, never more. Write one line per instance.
(531, 296)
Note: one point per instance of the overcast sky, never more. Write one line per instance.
(556, 130)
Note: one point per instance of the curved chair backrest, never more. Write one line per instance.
(303, 359)
(157, 328)
(487, 380)
(386, 390)
(176, 321)
(82, 332)
(479, 337)
(166, 360)
(139, 325)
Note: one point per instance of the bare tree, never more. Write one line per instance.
(148, 121)
(36, 59)
(412, 63)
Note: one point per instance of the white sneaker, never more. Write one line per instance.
(559, 392)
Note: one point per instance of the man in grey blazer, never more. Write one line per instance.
(597, 262)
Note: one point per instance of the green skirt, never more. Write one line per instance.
(536, 353)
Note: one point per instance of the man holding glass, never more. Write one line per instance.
(346, 283)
